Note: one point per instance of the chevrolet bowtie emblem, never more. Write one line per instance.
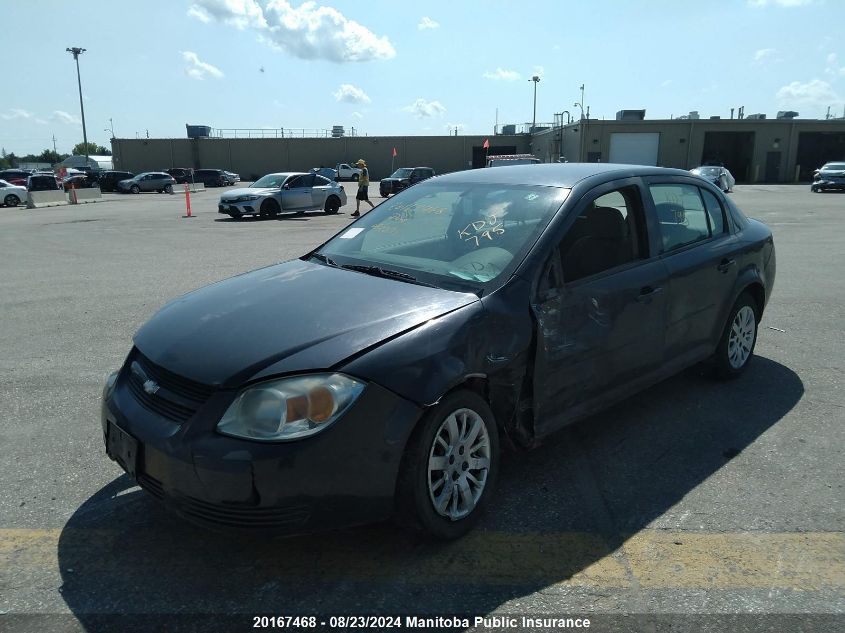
(150, 387)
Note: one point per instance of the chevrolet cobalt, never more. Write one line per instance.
(380, 374)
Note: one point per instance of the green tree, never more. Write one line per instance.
(93, 150)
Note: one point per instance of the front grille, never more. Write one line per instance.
(175, 398)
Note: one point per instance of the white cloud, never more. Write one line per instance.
(812, 93)
(17, 113)
(351, 94)
(502, 74)
(763, 55)
(833, 68)
(238, 13)
(308, 31)
(198, 13)
(428, 23)
(66, 117)
(780, 3)
(198, 69)
(423, 109)
(357, 115)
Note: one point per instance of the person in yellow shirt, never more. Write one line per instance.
(363, 188)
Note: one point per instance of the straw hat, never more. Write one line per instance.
(361, 162)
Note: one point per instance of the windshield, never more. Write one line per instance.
(709, 171)
(450, 234)
(403, 172)
(834, 166)
(269, 181)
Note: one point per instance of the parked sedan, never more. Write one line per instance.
(719, 176)
(12, 195)
(378, 373)
(109, 179)
(148, 181)
(403, 178)
(231, 177)
(43, 182)
(15, 176)
(211, 177)
(830, 177)
(280, 193)
(80, 181)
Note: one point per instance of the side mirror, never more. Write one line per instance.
(286, 186)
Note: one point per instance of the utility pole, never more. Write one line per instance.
(536, 80)
(54, 145)
(76, 52)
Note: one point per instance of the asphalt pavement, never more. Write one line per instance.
(691, 499)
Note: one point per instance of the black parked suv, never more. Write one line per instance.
(180, 174)
(42, 182)
(108, 179)
(403, 178)
(210, 177)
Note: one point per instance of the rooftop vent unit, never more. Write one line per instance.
(510, 128)
(630, 115)
(787, 114)
(337, 131)
(715, 118)
(757, 116)
(198, 131)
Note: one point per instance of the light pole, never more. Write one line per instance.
(110, 128)
(536, 80)
(76, 52)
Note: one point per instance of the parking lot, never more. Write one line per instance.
(694, 497)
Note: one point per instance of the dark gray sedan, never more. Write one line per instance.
(148, 181)
(379, 374)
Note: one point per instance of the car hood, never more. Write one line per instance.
(290, 317)
(831, 173)
(248, 191)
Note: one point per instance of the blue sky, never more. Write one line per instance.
(405, 68)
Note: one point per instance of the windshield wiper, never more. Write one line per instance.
(324, 259)
(378, 271)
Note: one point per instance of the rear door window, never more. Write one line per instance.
(681, 214)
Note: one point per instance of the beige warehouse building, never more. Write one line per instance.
(755, 150)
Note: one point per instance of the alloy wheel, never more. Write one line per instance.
(458, 464)
(741, 337)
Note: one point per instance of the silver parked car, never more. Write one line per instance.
(148, 181)
(283, 193)
(716, 174)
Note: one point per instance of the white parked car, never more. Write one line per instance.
(716, 174)
(11, 195)
(282, 193)
(345, 171)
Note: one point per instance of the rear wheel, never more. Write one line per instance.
(332, 205)
(449, 469)
(11, 200)
(270, 208)
(739, 337)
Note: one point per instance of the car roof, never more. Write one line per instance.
(555, 174)
(287, 173)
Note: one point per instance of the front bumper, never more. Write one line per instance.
(248, 207)
(829, 184)
(344, 476)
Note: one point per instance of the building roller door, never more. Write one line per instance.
(634, 148)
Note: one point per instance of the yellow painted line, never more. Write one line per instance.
(650, 559)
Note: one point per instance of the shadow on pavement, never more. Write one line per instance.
(583, 492)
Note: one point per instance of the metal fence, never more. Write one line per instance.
(281, 132)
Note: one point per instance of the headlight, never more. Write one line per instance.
(247, 198)
(289, 408)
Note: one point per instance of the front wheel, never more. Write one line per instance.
(449, 469)
(332, 205)
(11, 200)
(135, 189)
(355, 177)
(168, 189)
(269, 208)
(738, 338)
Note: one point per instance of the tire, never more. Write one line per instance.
(135, 189)
(168, 189)
(332, 205)
(419, 488)
(736, 346)
(355, 177)
(11, 200)
(269, 208)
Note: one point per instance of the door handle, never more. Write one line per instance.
(647, 292)
(725, 265)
